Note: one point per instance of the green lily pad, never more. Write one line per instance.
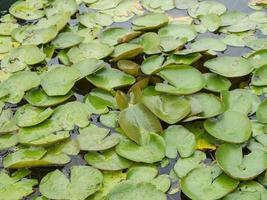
(229, 66)
(110, 119)
(150, 152)
(232, 160)
(17, 84)
(89, 50)
(125, 51)
(169, 108)
(20, 58)
(157, 6)
(137, 122)
(258, 58)
(88, 66)
(232, 17)
(129, 67)
(216, 83)
(202, 179)
(110, 78)
(205, 8)
(231, 126)
(72, 114)
(93, 138)
(84, 181)
(28, 115)
(65, 6)
(7, 141)
(109, 160)
(183, 79)
(210, 21)
(152, 64)
(182, 59)
(261, 112)
(37, 97)
(99, 101)
(63, 77)
(184, 165)
(7, 122)
(150, 21)
(178, 31)
(111, 36)
(5, 44)
(179, 139)
(95, 19)
(66, 40)
(168, 44)
(143, 173)
(14, 187)
(259, 76)
(184, 4)
(129, 190)
(28, 9)
(6, 28)
(104, 4)
(150, 42)
(211, 44)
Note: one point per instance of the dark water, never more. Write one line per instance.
(241, 5)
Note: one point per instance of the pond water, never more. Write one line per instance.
(241, 5)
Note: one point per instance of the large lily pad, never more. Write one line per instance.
(84, 181)
(232, 160)
(231, 126)
(229, 66)
(216, 83)
(137, 122)
(169, 108)
(259, 76)
(182, 79)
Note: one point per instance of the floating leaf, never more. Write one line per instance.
(261, 112)
(125, 51)
(66, 40)
(216, 83)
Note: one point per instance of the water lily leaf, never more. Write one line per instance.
(137, 122)
(169, 108)
(88, 66)
(7, 141)
(241, 100)
(232, 17)
(72, 114)
(157, 5)
(232, 160)
(143, 173)
(182, 59)
(20, 58)
(84, 181)
(211, 44)
(63, 77)
(184, 4)
(178, 31)
(259, 76)
(231, 126)
(129, 67)
(28, 9)
(5, 44)
(183, 79)
(42, 134)
(28, 115)
(99, 101)
(59, 6)
(110, 119)
(66, 40)
(150, 42)
(202, 179)
(104, 4)
(205, 8)
(93, 138)
(261, 112)
(216, 83)
(229, 66)
(152, 64)
(184, 165)
(125, 51)
(248, 191)
(242, 25)
(168, 44)
(6, 28)
(258, 58)
(111, 36)
(211, 21)
(150, 21)
(110, 78)
(89, 50)
(7, 122)
(109, 160)
(37, 97)
(150, 152)
(129, 190)
(95, 19)
(17, 84)
(179, 139)
(12, 188)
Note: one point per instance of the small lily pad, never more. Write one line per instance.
(211, 44)
(95, 19)
(216, 83)
(152, 64)
(261, 112)
(259, 76)
(125, 51)
(150, 42)
(7, 141)
(66, 40)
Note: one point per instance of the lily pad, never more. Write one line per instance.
(182, 79)
(30, 116)
(261, 112)
(66, 40)
(93, 138)
(55, 185)
(259, 76)
(179, 139)
(88, 66)
(150, 152)
(231, 126)
(110, 78)
(152, 64)
(95, 19)
(232, 160)
(216, 83)
(7, 141)
(150, 42)
(125, 51)
(211, 44)
(169, 108)
(258, 58)
(137, 122)
(229, 66)
(109, 160)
